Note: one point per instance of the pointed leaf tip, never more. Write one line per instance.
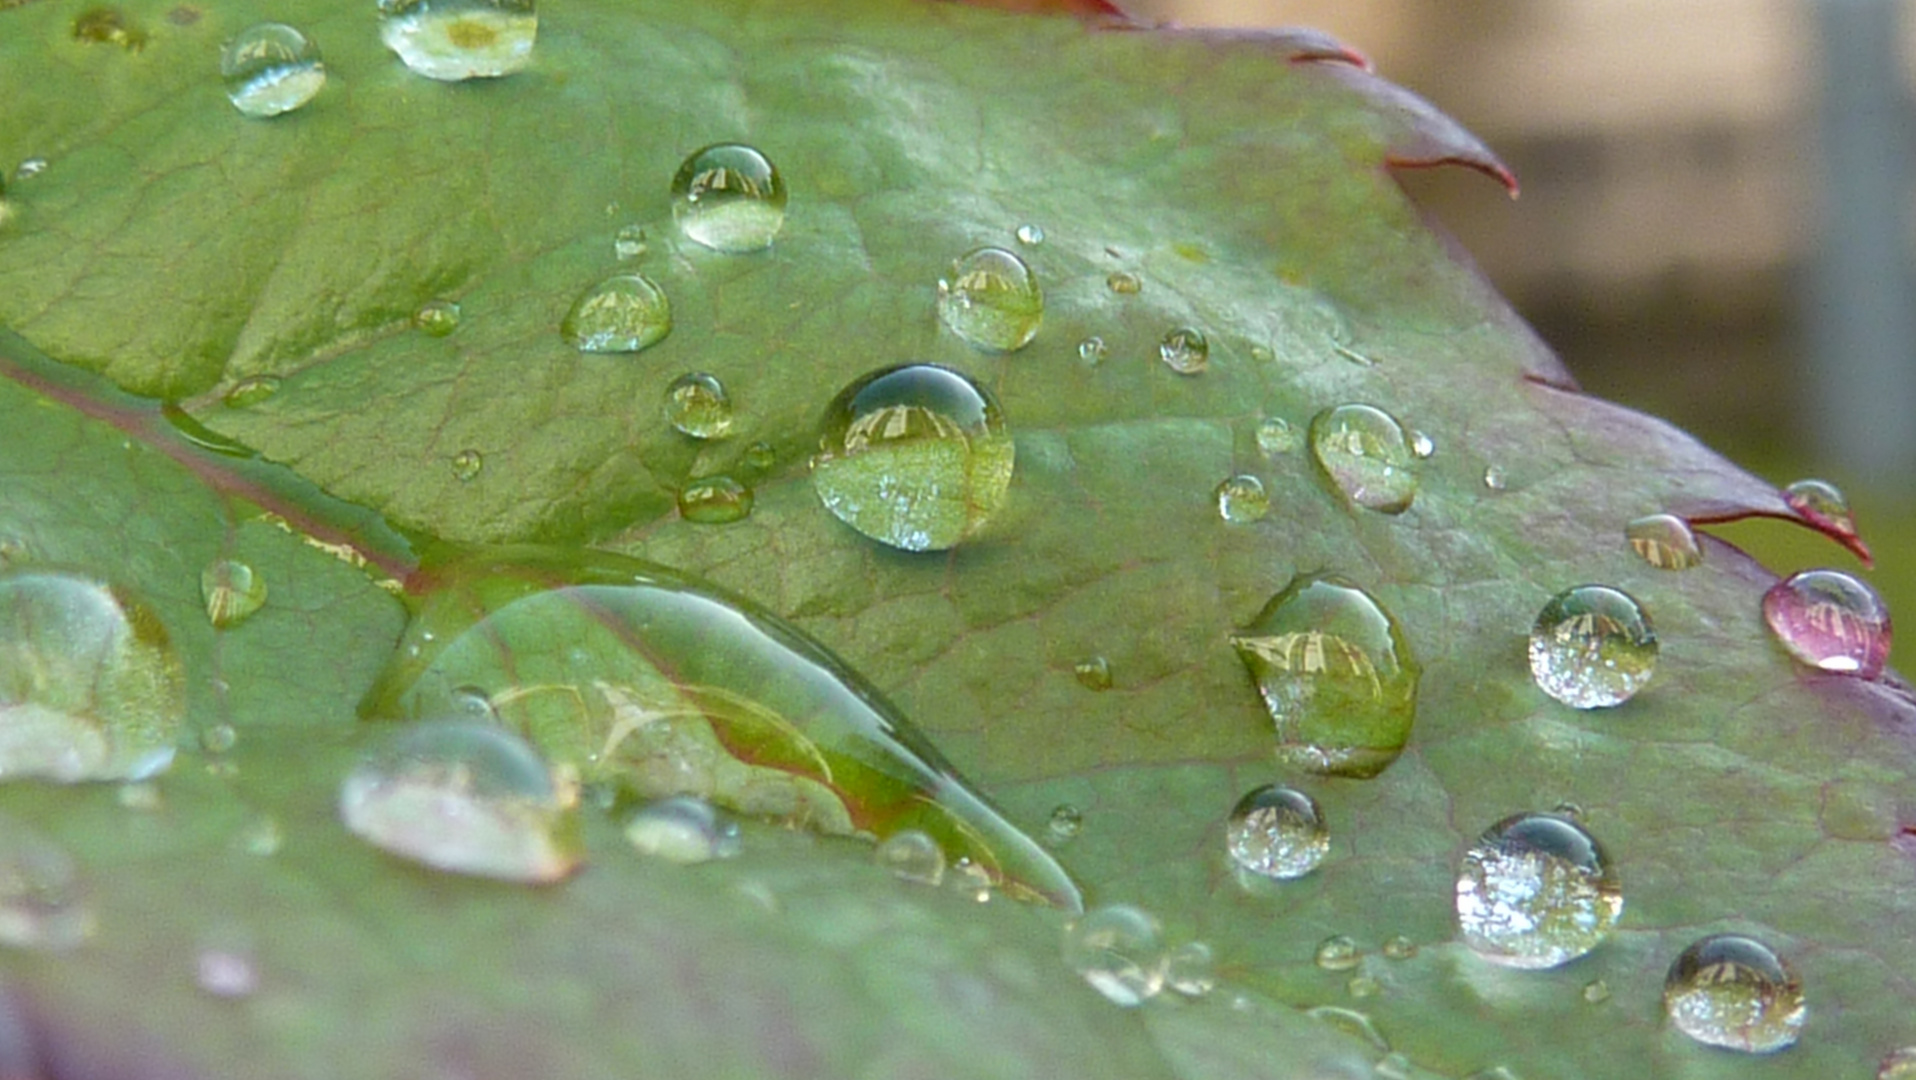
(1417, 134)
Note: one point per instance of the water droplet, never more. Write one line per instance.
(912, 855)
(1732, 991)
(218, 738)
(970, 877)
(761, 456)
(436, 318)
(991, 299)
(1123, 283)
(917, 457)
(460, 796)
(1593, 647)
(1399, 947)
(30, 168)
(715, 500)
(1830, 621)
(1337, 953)
(262, 837)
(1362, 451)
(1596, 992)
(1898, 1064)
(251, 391)
(682, 829)
(109, 26)
(1241, 500)
(1185, 351)
(1275, 437)
(1092, 350)
(624, 313)
(1536, 891)
(226, 970)
(450, 40)
(271, 68)
(1119, 950)
(1094, 673)
(1064, 825)
(1665, 541)
(467, 464)
(232, 592)
(730, 198)
(143, 797)
(630, 242)
(1823, 503)
(1191, 969)
(1494, 479)
(1336, 676)
(90, 687)
(43, 904)
(1277, 832)
(697, 404)
(1030, 235)
(1570, 810)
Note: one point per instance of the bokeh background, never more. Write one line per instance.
(1718, 221)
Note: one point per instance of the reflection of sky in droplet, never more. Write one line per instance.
(1592, 647)
(1733, 991)
(1830, 621)
(1536, 891)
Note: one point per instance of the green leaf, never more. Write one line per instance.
(175, 248)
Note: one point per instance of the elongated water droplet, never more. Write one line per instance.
(437, 318)
(232, 591)
(730, 198)
(1665, 541)
(1064, 825)
(715, 500)
(1593, 647)
(43, 903)
(1339, 952)
(467, 464)
(271, 68)
(1030, 235)
(917, 457)
(912, 855)
(451, 40)
(696, 403)
(629, 242)
(1732, 991)
(1362, 451)
(1536, 891)
(682, 829)
(1275, 437)
(1898, 1064)
(1241, 500)
(1092, 350)
(1119, 950)
(1123, 283)
(622, 314)
(90, 687)
(1277, 832)
(1335, 674)
(1094, 673)
(991, 299)
(251, 391)
(1823, 503)
(1185, 351)
(1830, 621)
(1191, 969)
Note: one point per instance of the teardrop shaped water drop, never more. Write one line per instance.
(622, 314)
(1119, 950)
(232, 592)
(453, 40)
(1185, 351)
(271, 68)
(251, 391)
(1593, 647)
(1536, 891)
(1830, 621)
(730, 198)
(1733, 991)
(991, 299)
(1362, 451)
(682, 829)
(1665, 541)
(1277, 832)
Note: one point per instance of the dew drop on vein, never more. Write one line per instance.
(1733, 991)
(1592, 647)
(467, 464)
(270, 69)
(715, 500)
(729, 197)
(1830, 621)
(1536, 891)
(436, 318)
(1185, 350)
(991, 299)
(1823, 503)
(1093, 673)
(454, 40)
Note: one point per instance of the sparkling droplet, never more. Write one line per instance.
(30, 168)
(1337, 953)
(697, 404)
(90, 686)
(682, 829)
(1665, 541)
(1823, 503)
(1732, 991)
(451, 40)
(1030, 235)
(991, 299)
(1123, 283)
(232, 592)
(1066, 822)
(437, 318)
(1092, 350)
(1399, 947)
(251, 391)
(1094, 673)
(467, 465)
(917, 457)
(715, 500)
(1241, 500)
(461, 796)
(1185, 351)
(1335, 674)
(43, 904)
(1830, 621)
(271, 68)
(1898, 1064)
(622, 314)
(1422, 446)
(730, 198)
(1119, 950)
(1596, 992)
(1277, 832)
(630, 242)
(1494, 479)
(226, 971)
(912, 855)
(1593, 647)
(1362, 451)
(1191, 969)
(1536, 891)
(1275, 437)
(218, 738)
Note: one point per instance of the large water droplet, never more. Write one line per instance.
(715, 500)
(1336, 676)
(1119, 950)
(1185, 351)
(1241, 499)
(622, 314)
(1733, 991)
(1665, 541)
(991, 299)
(251, 391)
(730, 198)
(43, 904)
(437, 318)
(1536, 891)
(462, 796)
(232, 591)
(1823, 503)
(1277, 832)
(1339, 952)
(90, 687)
(912, 855)
(271, 68)
(452, 40)
(1831, 621)
(696, 403)
(1275, 437)
(1593, 647)
(1362, 451)
(682, 829)
(467, 464)
(917, 457)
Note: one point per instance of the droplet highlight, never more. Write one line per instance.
(1733, 991)
(1830, 621)
(270, 69)
(1592, 647)
(453, 40)
(1422, 446)
(1494, 479)
(1241, 500)
(232, 592)
(1030, 235)
(1092, 351)
(1093, 673)
(1191, 969)
(697, 405)
(1185, 351)
(1277, 832)
(730, 198)
(716, 500)
(622, 314)
(1064, 825)
(1536, 891)
(1119, 950)
(1362, 451)
(682, 829)
(911, 855)
(1665, 541)
(629, 243)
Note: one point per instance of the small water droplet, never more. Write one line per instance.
(1822, 502)
(1364, 454)
(730, 198)
(1191, 969)
(1665, 541)
(1336, 676)
(436, 318)
(30, 168)
(1494, 478)
(1119, 950)
(109, 26)
(1241, 499)
(1898, 1064)
(1275, 437)
(1593, 647)
(262, 837)
(968, 876)
(1569, 810)
(1030, 235)
(142, 797)
(715, 500)
(682, 829)
(1596, 992)
(451, 40)
(630, 242)
(218, 738)
(912, 855)
(1185, 351)
(1339, 952)
(1093, 673)
(622, 314)
(1092, 350)
(1277, 832)
(1422, 446)
(1263, 354)
(696, 403)
(467, 464)
(917, 457)
(1399, 947)
(1064, 825)
(761, 456)
(991, 299)
(461, 796)
(1536, 891)
(226, 970)
(1732, 991)
(43, 903)
(1830, 621)
(251, 391)
(271, 68)
(232, 592)
(1123, 283)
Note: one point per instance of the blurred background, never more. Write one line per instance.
(1718, 222)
